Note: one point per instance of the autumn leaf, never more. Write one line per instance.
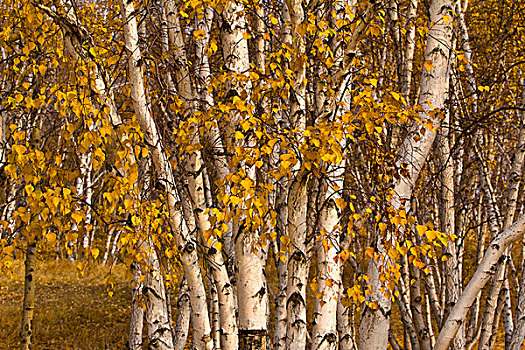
(429, 65)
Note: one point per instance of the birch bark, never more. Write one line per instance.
(136, 321)
(156, 316)
(325, 335)
(413, 153)
(187, 247)
(296, 332)
(518, 334)
(252, 295)
(483, 273)
(28, 305)
(452, 276)
(182, 327)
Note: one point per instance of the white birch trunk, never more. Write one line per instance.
(228, 321)
(87, 191)
(408, 59)
(483, 273)
(281, 207)
(215, 315)
(325, 335)
(136, 321)
(252, 295)
(414, 151)
(108, 246)
(156, 315)
(325, 332)
(28, 305)
(499, 278)
(114, 249)
(182, 327)
(472, 332)
(452, 276)
(228, 316)
(508, 322)
(187, 247)
(518, 335)
(279, 341)
(344, 327)
(296, 331)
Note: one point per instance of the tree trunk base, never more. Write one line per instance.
(252, 339)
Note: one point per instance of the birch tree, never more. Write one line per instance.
(303, 160)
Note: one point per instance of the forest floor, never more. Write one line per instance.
(71, 312)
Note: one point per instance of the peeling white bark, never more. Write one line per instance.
(136, 321)
(296, 332)
(187, 247)
(157, 319)
(413, 153)
(325, 335)
(182, 327)
(483, 273)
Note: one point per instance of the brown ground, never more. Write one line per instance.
(71, 312)
(74, 312)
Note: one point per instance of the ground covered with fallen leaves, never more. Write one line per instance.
(71, 311)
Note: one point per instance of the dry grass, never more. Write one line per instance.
(71, 312)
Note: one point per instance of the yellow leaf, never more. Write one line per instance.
(421, 229)
(340, 202)
(419, 264)
(199, 33)
(217, 246)
(213, 46)
(429, 65)
(51, 237)
(431, 235)
(95, 252)
(395, 95)
(29, 189)
(446, 19)
(246, 183)
(344, 255)
(42, 69)
(235, 200)
(76, 216)
(55, 201)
